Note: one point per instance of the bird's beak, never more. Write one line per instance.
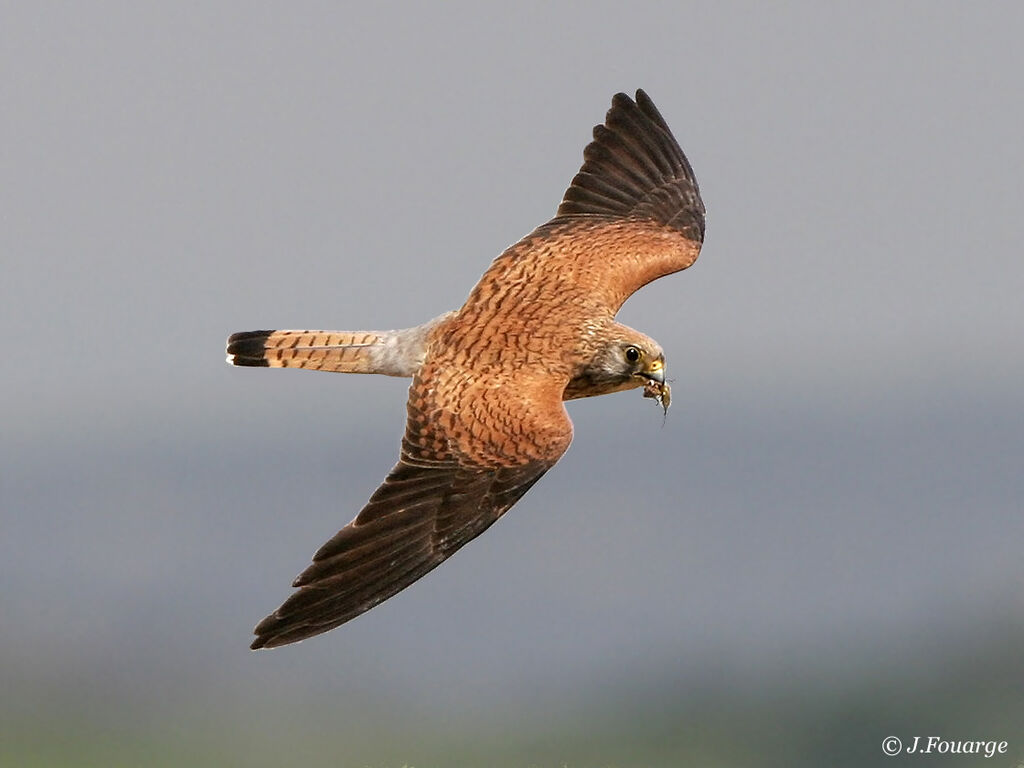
(655, 371)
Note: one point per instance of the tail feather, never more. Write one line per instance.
(340, 351)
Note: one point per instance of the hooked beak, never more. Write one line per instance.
(655, 371)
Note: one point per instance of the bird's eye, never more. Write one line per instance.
(633, 354)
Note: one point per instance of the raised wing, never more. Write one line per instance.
(634, 169)
(436, 499)
(632, 214)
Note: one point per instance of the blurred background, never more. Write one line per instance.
(822, 547)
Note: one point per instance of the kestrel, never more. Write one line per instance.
(485, 411)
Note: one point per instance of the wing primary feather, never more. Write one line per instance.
(337, 584)
(363, 547)
(635, 152)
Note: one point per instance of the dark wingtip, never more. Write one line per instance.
(264, 633)
(621, 100)
(646, 105)
(634, 168)
(248, 348)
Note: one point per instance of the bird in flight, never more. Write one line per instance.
(486, 413)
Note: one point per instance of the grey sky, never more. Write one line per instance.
(840, 469)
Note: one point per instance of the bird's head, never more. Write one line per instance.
(623, 360)
(641, 360)
(645, 363)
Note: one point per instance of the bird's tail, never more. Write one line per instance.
(339, 351)
(392, 353)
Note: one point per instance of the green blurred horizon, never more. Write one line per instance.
(812, 717)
